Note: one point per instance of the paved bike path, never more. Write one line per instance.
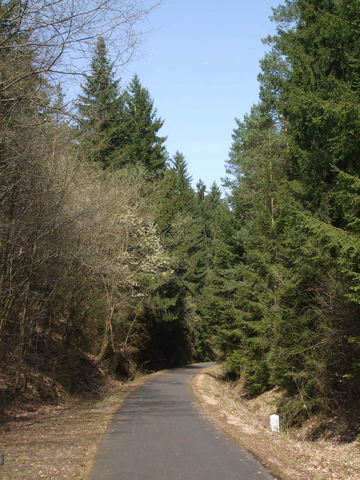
(161, 433)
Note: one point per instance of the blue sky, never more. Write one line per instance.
(200, 62)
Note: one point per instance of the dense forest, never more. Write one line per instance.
(109, 256)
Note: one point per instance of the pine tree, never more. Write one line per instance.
(143, 144)
(176, 195)
(200, 191)
(292, 295)
(183, 228)
(320, 99)
(182, 178)
(247, 278)
(100, 111)
(320, 96)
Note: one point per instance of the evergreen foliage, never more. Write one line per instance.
(181, 231)
(290, 287)
(131, 265)
(118, 129)
(143, 144)
(101, 111)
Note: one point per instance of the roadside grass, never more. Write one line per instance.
(59, 441)
(287, 454)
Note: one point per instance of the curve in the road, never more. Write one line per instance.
(160, 433)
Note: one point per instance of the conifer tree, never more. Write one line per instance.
(176, 195)
(200, 191)
(248, 283)
(182, 226)
(320, 96)
(182, 178)
(320, 102)
(100, 111)
(292, 298)
(143, 144)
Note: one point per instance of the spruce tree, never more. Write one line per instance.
(182, 226)
(292, 295)
(143, 144)
(320, 96)
(176, 195)
(321, 103)
(246, 278)
(100, 111)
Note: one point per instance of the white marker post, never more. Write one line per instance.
(274, 423)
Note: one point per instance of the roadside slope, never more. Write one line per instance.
(286, 456)
(58, 441)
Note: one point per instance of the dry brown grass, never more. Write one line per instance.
(58, 442)
(287, 455)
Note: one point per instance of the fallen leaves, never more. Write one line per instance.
(57, 442)
(287, 456)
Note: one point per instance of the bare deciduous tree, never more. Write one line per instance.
(75, 243)
(55, 36)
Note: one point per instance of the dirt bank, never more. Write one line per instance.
(58, 441)
(284, 453)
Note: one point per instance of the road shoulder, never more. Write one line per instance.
(60, 441)
(286, 457)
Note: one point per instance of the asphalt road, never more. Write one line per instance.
(161, 433)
